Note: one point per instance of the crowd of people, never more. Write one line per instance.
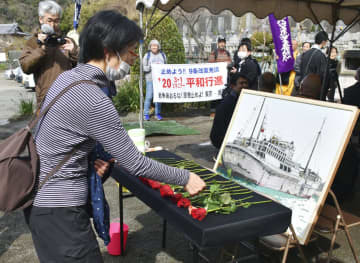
(305, 80)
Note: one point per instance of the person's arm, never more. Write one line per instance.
(32, 56)
(111, 134)
(146, 66)
(297, 64)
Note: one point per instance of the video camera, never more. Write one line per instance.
(52, 40)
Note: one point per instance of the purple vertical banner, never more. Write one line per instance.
(282, 41)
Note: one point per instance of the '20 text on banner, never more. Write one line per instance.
(174, 83)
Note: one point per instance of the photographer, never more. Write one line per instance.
(47, 54)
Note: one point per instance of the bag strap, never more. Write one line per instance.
(34, 121)
(308, 64)
(57, 167)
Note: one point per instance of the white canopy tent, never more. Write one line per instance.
(316, 10)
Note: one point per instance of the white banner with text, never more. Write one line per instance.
(174, 83)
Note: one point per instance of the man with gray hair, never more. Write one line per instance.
(47, 54)
(352, 93)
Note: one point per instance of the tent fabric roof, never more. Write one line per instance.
(298, 9)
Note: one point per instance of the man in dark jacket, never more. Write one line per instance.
(314, 60)
(352, 93)
(246, 64)
(46, 61)
(225, 109)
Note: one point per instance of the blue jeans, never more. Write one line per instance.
(148, 99)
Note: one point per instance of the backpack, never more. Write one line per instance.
(162, 54)
(19, 163)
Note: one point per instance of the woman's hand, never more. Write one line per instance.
(101, 167)
(195, 184)
(233, 70)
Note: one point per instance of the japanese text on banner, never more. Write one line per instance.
(174, 83)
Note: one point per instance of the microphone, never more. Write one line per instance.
(47, 29)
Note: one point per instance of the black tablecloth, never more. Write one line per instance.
(215, 230)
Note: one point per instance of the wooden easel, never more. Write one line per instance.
(335, 219)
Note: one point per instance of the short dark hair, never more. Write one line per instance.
(328, 50)
(320, 37)
(306, 42)
(234, 78)
(267, 82)
(107, 29)
(245, 42)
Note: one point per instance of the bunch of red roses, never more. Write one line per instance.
(167, 192)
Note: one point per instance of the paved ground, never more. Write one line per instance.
(144, 242)
(11, 93)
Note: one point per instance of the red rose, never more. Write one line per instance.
(144, 180)
(198, 213)
(153, 184)
(166, 191)
(183, 202)
(176, 198)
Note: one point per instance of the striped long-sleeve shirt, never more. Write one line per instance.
(84, 115)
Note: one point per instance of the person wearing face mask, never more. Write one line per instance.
(334, 70)
(58, 219)
(246, 64)
(44, 58)
(153, 56)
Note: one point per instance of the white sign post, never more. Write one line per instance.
(175, 83)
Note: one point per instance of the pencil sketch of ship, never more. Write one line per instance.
(267, 161)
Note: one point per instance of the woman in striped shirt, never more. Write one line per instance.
(58, 221)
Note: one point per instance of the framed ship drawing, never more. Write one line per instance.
(287, 149)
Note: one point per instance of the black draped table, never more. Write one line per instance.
(215, 230)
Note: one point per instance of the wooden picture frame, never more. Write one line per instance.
(288, 149)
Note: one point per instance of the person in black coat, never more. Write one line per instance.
(225, 109)
(314, 60)
(244, 63)
(352, 93)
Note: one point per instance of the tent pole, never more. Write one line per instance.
(167, 13)
(141, 7)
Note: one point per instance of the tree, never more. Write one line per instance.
(171, 44)
(192, 20)
(90, 7)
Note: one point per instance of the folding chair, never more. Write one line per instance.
(283, 242)
(334, 219)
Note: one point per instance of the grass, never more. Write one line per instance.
(26, 108)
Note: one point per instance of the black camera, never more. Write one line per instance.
(54, 40)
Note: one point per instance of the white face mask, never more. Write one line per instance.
(119, 73)
(242, 54)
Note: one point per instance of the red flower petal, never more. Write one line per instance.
(183, 202)
(198, 213)
(166, 191)
(144, 180)
(176, 198)
(154, 184)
